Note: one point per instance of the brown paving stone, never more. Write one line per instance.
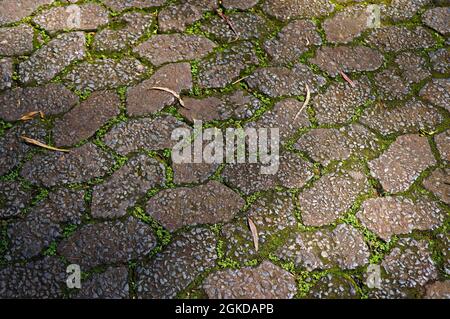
(333, 287)
(440, 60)
(13, 199)
(412, 66)
(142, 100)
(399, 38)
(402, 163)
(285, 10)
(16, 40)
(267, 281)
(391, 85)
(205, 204)
(437, 91)
(438, 19)
(119, 5)
(186, 173)
(111, 284)
(239, 4)
(438, 290)
(400, 10)
(84, 120)
(6, 73)
(443, 144)
(15, 10)
(348, 24)
(439, 183)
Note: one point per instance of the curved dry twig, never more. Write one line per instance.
(175, 94)
(308, 98)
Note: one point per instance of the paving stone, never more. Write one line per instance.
(281, 81)
(443, 240)
(142, 100)
(391, 85)
(408, 266)
(112, 198)
(112, 284)
(187, 173)
(84, 120)
(439, 183)
(437, 92)
(292, 41)
(443, 145)
(438, 290)
(412, 67)
(80, 165)
(333, 287)
(340, 101)
(293, 172)
(189, 255)
(440, 60)
(409, 117)
(285, 117)
(13, 199)
(6, 73)
(238, 4)
(399, 38)
(344, 247)
(399, 166)
(438, 19)
(289, 9)
(347, 59)
(222, 68)
(146, 134)
(86, 17)
(105, 74)
(42, 225)
(330, 197)
(387, 216)
(52, 99)
(51, 59)
(205, 204)
(237, 105)
(15, 10)
(347, 24)
(119, 5)
(267, 281)
(247, 25)
(13, 149)
(37, 279)
(133, 26)
(16, 40)
(178, 16)
(400, 10)
(108, 243)
(326, 145)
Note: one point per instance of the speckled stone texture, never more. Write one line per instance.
(112, 284)
(439, 183)
(267, 281)
(443, 145)
(13, 198)
(398, 38)
(437, 92)
(333, 287)
(289, 9)
(6, 73)
(16, 40)
(15, 10)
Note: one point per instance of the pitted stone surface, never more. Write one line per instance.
(142, 100)
(333, 287)
(343, 247)
(443, 145)
(187, 173)
(389, 216)
(224, 67)
(16, 40)
(267, 281)
(112, 198)
(289, 9)
(119, 5)
(112, 284)
(238, 4)
(147, 134)
(52, 58)
(41, 279)
(13, 199)
(326, 145)
(439, 183)
(52, 99)
(399, 166)
(105, 74)
(293, 172)
(340, 101)
(438, 290)
(281, 81)
(409, 117)
(440, 60)
(399, 38)
(400, 10)
(237, 105)
(15, 10)
(6, 73)
(438, 19)
(108, 243)
(330, 197)
(292, 41)
(163, 48)
(90, 16)
(42, 225)
(347, 59)
(135, 25)
(80, 165)
(348, 24)
(205, 204)
(83, 121)
(188, 256)
(412, 67)
(437, 91)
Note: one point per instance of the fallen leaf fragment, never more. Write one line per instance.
(228, 21)
(346, 78)
(308, 98)
(239, 80)
(175, 94)
(254, 231)
(31, 115)
(37, 143)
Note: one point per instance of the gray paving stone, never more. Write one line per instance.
(333, 287)
(443, 144)
(438, 19)
(285, 10)
(399, 38)
(111, 284)
(119, 5)
(15, 10)
(16, 40)
(439, 183)
(13, 199)
(238, 4)
(437, 92)
(6, 73)
(400, 10)
(440, 60)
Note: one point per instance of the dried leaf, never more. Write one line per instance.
(228, 21)
(254, 231)
(308, 98)
(346, 78)
(31, 115)
(175, 94)
(37, 143)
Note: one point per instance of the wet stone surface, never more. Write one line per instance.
(13, 199)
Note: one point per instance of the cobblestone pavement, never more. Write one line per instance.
(364, 177)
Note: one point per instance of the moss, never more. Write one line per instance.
(51, 249)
